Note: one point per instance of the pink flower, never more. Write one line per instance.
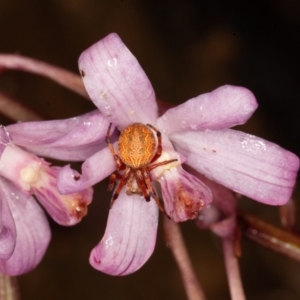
(195, 133)
(24, 229)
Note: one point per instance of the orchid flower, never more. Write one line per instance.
(196, 133)
(24, 229)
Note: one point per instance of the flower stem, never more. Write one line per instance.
(175, 241)
(65, 78)
(16, 111)
(287, 213)
(270, 236)
(232, 270)
(8, 288)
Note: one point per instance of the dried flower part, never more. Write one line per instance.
(209, 216)
(35, 176)
(64, 209)
(183, 194)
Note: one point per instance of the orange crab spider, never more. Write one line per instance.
(137, 151)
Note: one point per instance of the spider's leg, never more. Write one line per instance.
(159, 146)
(150, 168)
(152, 193)
(142, 185)
(119, 187)
(112, 180)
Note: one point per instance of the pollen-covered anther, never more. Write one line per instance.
(77, 204)
(80, 210)
(30, 174)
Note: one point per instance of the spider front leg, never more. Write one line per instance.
(152, 193)
(140, 180)
(122, 182)
(112, 180)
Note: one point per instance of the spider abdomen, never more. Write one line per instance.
(136, 145)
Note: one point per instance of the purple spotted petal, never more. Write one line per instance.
(7, 229)
(94, 169)
(117, 84)
(129, 237)
(242, 162)
(71, 139)
(66, 210)
(33, 232)
(183, 194)
(224, 107)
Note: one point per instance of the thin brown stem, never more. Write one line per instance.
(16, 111)
(63, 77)
(232, 270)
(176, 243)
(287, 214)
(270, 236)
(8, 288)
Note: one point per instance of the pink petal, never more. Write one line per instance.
(7, 228)
(71, 139)
(129, 237)
(94, 169)
(4, 139)
(117, 84)
(33, 232)
(242, 162)
(224, 107)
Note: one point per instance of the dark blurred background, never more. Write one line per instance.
(186, 48)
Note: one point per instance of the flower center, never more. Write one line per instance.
(165, 155)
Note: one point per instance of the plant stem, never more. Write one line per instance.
(16, 111)
(8, 288)
(270, 236)
(65, 78)
(232, 270)
(176, 243)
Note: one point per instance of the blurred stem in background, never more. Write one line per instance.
(8, 288)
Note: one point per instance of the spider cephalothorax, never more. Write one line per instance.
(138, 149)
